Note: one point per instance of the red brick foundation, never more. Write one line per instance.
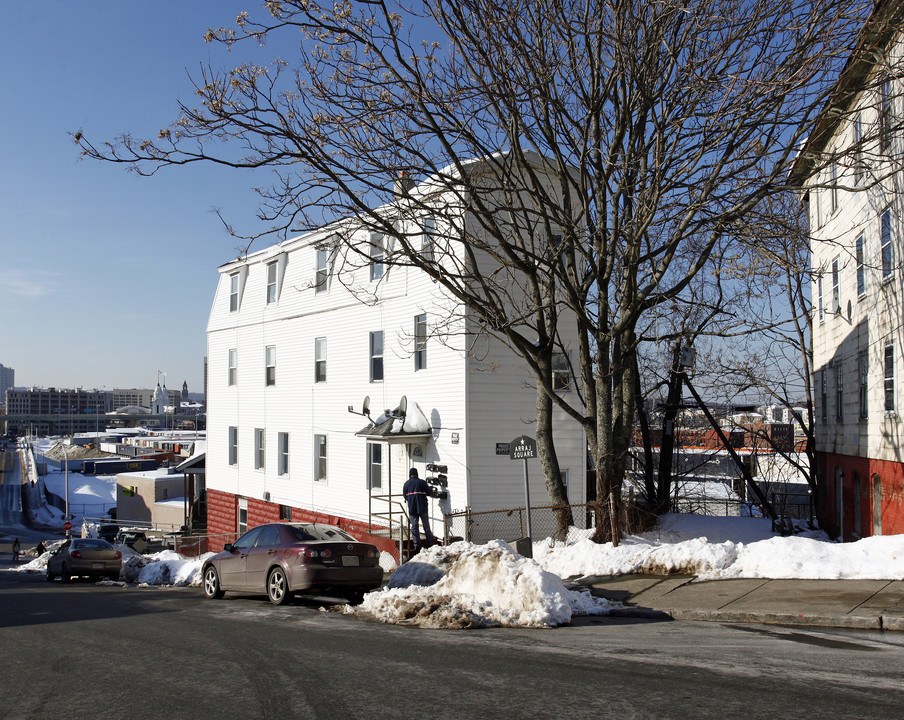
(222, 521)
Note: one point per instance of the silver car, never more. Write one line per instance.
(84, 556)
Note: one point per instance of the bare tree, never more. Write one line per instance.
(627, 139)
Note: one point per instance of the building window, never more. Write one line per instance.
(889, 378)
(839, 391)
(861, 273)
(320, 360)
(858, 150)
(233, 292)
(833, 189)
(819, 303)
(836, 293)
(242, 520)
(888, 253)
(271, 283)
(322, 276)
(374, 466)
(320, 458)
(285, 512)
(259, 449)
(282, 443)
(428, 241)
(885, 115)
(824, 394)
(863, 378)
(233, 366)
(377, 256)
(270, 356)
(376, 356)
(233, 445)
(420, 342)
(561, 372)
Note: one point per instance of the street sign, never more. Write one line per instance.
(67, 526)
(522, 448)
(502, 448)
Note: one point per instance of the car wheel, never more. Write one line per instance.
(278, 586)
(212, 588)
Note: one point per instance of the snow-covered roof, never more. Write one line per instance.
(397, 426)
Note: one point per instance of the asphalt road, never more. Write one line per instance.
(87, 651)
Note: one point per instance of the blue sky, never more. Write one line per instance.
(107, 277)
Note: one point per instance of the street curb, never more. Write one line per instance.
(853, 622)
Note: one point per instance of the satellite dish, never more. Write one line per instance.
(365, 408)
(403, 405)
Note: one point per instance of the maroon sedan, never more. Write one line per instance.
(284, 558)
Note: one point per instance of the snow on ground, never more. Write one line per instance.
(465, 585)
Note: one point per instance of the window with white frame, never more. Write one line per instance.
(863, 380)
(320, 360)
(233, 445)
(886, 114)
(322, 275)
(377, 255)
(888, 252)
(833, 188)
(233, 292)
(242, 519)
(858, 149)
(861, 271)
(561, 372)
(819, 304)
(839, 391)
(271, 282)
(282, 444)
(889, 378)
(320, 458)
(824, 394)
(376, 356)
(270, 360)
(428, 240)
(836, 292)
(420, 341)
(260, 449)
(232, 373)
(374, 465)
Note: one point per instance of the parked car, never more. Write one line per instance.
(281, 559)
(130, 537)
(108, 532)
(84, 556)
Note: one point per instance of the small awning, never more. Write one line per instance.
(194, 464)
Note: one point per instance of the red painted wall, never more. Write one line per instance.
(891, 481)
(222, 521)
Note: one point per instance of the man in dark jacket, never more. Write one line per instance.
(415, 492)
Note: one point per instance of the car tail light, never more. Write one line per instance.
(118, 555)
(75, 554)
(371, 553)
(325, 553)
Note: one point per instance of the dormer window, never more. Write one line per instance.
(234, 292)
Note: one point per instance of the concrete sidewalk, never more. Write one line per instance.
(868, 604)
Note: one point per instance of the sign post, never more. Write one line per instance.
(524, 448)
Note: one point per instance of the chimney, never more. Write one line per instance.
(403, 184)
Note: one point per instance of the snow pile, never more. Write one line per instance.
(468, 586)
(163, 568)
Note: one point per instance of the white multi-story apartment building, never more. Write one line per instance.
(851, 169)
(302, 333)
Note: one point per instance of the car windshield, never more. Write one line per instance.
(309, 533)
